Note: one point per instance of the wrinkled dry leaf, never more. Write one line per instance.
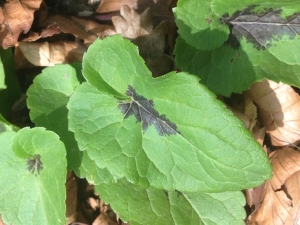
(151, 43)
(115, 5)
(162, 9)
(278, 106)
(16, 17)
(132, 25)
(85, 30)
(48, 32)
(49, 54)
(280, 204)
(71, 200)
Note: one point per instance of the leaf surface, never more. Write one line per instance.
(226, 70)
(153, 206)
(47, 100)
(188, 142)
(263, 42)
(199, 26)
(33, 174)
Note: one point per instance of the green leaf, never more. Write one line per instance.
(7, 126)
(263, 43)
(201, 23)
(2, 74)
(33, 174)
(47, 100)
(226, 70)
(92, 173)
(169, 132)
(151, 206)
(12, 89)
(199, 26)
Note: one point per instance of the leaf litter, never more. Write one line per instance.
(66, 39)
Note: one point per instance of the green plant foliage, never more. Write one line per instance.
(10, 90)
(133, 125)
(2, 74)
(6, 126)
(33, 173)
(172, 207)
(47, 100)
(241, 42)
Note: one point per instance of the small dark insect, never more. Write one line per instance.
(35, 164)
(232, 60)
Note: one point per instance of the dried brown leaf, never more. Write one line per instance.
(115, 5)
(132, 25)
(71, 200)
(151, 43)
(86, 30)
(278, 106)
(162, 9)
(285, 162)
(16, 17)
(49, 54)
(281, 200)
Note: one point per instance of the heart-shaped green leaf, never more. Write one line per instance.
(47, 100)
(170, 132)
(33, 173)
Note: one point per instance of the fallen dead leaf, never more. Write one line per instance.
(280, 201)
(278, 106)
(162, 9)
(49, 54)
(71, 200)
(48, 32)
(115, 5)
(85, 30)
(16, 17)
(132, 25)
(151, 43)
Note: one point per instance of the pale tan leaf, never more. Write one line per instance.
(132, 25)
(16, 17)
(162, 9)
(285, 162)
(115, 5)
(278, 106)
(292, 185)
(49, 54)
(274, 210)
(281, 195)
